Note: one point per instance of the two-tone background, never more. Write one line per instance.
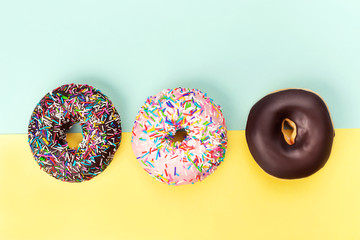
(236, 51)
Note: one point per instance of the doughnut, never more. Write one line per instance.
(290, 133)
(167, 115)
(55, 114)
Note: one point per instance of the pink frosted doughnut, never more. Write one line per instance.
(202, 149)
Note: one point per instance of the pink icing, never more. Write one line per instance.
(198, 155)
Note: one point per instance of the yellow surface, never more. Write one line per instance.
(238, 201)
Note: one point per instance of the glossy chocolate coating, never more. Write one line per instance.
(313, 141)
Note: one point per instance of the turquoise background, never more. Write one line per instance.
(236, 51)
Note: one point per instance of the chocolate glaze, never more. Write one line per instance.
(313, 141)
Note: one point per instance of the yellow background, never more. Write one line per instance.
(238, 201)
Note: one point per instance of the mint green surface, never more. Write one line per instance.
(236, 51)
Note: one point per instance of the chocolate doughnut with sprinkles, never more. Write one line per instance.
(55, 114)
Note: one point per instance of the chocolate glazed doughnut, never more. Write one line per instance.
(290, 133)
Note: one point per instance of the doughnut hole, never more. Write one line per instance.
(179, 136)
(288, 129)
(73, 138)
